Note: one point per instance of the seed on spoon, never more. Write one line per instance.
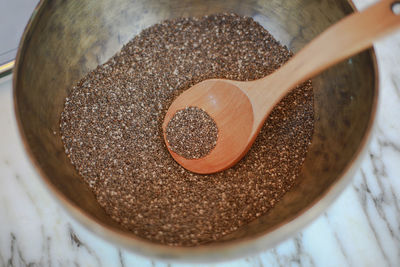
(192, 133)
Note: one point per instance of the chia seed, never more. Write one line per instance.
(192, 133)
(111, 130)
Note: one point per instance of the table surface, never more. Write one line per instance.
(361, 228)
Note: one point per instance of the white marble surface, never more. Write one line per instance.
(362, 227)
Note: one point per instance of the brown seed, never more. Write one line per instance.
(192, 133)
(111, 130)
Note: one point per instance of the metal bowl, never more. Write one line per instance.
(64, 40)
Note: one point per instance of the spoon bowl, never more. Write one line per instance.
(232, 111)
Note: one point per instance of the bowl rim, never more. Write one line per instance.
(204, 253)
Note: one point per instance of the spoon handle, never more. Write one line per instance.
(350, 35)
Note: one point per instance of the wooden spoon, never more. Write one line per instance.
(240, 108)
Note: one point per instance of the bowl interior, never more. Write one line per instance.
(67, 39)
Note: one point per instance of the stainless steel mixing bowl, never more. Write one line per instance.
(66, 39)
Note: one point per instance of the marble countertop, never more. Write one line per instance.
(361, 228)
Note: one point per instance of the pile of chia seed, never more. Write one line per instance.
(111, 130)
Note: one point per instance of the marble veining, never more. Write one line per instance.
(361, 228)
